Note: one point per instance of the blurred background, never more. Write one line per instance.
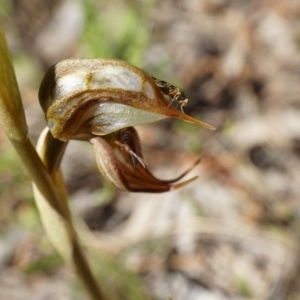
(232, 234)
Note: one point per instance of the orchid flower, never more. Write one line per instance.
(100, 100)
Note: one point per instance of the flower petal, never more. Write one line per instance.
(116, 162)
(102, 95)
(108, 163)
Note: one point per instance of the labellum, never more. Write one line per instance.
(120, 160)
(99, 100)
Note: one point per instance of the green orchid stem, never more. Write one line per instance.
(44, 184)
(51, 200)
(36, 170)
(51, 151)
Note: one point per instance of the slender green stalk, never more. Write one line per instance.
(51, 151)
(12, 116)
(54, 211)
